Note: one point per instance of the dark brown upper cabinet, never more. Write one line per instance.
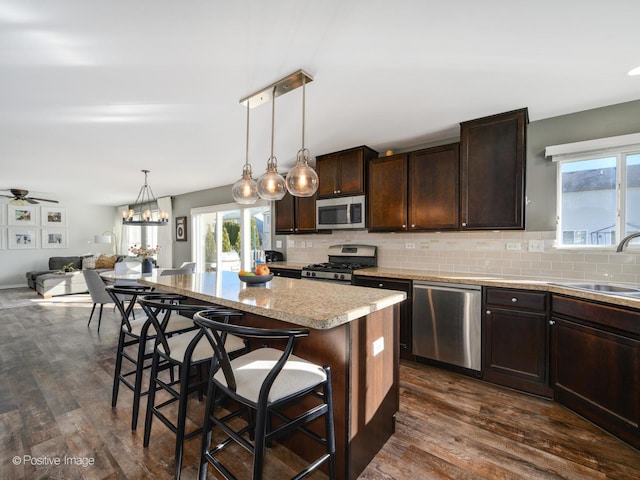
(295, 215)
(343, 173)
(414, 191)
(492, 171)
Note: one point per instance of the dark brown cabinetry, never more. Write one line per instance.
(343, 173)
(515, 326)
(295, 215)
(415, 191)
(405, 307)
(285, 272)
(492, 171)
(595, 364)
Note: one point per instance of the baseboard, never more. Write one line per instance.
(19, 285)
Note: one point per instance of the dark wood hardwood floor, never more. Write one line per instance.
(56, 377)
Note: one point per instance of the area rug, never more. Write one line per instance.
(25, 297)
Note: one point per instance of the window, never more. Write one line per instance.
(230, 237)
(598, 194)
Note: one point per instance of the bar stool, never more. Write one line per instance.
(263, 383)
(186, 351)
(136, 333)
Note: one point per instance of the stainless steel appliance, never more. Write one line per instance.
(343, 260)
(341, 213)
(447, 323)
(273, 256)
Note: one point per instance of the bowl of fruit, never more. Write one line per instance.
(258, 277)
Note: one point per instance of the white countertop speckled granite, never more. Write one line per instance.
(488, 280)
(311, 304)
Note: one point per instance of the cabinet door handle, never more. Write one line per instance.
(413, 225)
(552, 322)
(404, 226)
(488, 312)
(381, 284)
(514, 299)
(464, 224)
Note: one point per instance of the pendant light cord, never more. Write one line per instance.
(303, 107)
(273, 120)
(246, 161)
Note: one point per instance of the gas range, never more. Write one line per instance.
(343, 260)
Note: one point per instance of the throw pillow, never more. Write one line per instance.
(89, 263)
(106, 262)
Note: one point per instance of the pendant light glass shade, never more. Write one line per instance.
(245, 190)
(302, 180)
(271, 185)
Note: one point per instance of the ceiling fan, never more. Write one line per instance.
(19, 197)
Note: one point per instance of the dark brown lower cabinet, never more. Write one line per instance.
(285, 272)
(515, 326)
(406, 329)
(595, 364)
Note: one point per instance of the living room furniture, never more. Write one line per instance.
(96, 287)
(54, 282)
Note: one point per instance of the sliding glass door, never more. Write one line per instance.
(230, 237)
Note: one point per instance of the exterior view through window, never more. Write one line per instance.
(231, 237)
(599, 199)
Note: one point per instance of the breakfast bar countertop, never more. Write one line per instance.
(308, 303)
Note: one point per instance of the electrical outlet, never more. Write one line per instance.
(291, 244)
(409, 245)
(309, 244)
(378, 346)
(278, 243)
(536, 246)
(514, 246)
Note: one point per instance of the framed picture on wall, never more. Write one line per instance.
(22, 215)
(54, 238)
(21, 238)
(181, 229)
(53, 216)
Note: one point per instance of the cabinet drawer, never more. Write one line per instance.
(516, 299)
(403, 286)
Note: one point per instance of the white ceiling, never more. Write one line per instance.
(91, 92)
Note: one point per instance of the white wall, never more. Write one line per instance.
(83, 222)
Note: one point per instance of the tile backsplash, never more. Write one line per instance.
(521, 254)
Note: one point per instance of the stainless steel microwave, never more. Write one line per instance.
(341, 213)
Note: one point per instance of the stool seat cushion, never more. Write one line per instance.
(178, 346)
(250, 371)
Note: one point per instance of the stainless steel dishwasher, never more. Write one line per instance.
(447, 323)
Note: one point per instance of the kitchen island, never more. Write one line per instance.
(354, 330)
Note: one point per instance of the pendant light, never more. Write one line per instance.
(146, 201)
(271, 185)
(302, 180)
(245, 190)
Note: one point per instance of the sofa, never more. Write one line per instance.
(54, 282)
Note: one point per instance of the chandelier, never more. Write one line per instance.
(302, 181)
(145, 202)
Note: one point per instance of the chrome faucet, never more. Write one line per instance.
(623, 243)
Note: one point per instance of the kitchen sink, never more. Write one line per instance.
(603, 288)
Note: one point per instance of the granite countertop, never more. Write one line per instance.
(316, 305)
(503, 281)
(487, 280)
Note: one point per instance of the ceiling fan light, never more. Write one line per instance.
(245, 190)
(302, 180)
(18, 202)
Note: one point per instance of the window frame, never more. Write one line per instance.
(621, 153)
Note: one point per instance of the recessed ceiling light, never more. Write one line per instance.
(634, 71)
